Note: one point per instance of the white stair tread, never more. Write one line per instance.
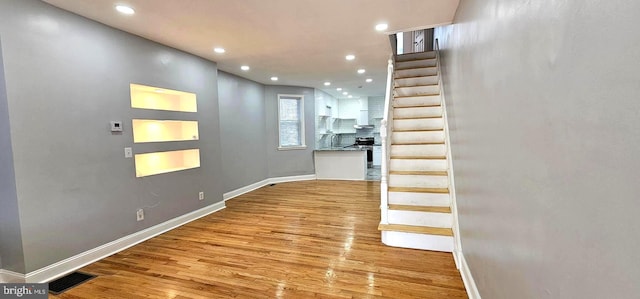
(415, 56)
(420, 199)
(417, 101)
(419, 150)
(418, 181)
(418, 165)
(418, 124)
(415, 72)
(411, 91)
(417, 63)
(418, 218)
(421, 137)
(417, 112)
(415, 81)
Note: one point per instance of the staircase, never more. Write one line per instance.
(416, 203)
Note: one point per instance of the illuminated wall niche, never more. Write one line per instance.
(151, 130)
(149, 97)
(164, 162)
(159, 131)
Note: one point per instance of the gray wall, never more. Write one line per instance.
(289, 162)
(11, 256)
(66, 78)
(243, 133)
(543, 98)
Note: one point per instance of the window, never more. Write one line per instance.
(291, 122)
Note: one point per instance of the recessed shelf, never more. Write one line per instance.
(155, 98)
(151, 130)
(164, 162)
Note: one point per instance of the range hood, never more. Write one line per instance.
(364, 126)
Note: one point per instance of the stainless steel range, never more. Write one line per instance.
(366, 143)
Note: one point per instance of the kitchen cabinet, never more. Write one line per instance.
(340, 164)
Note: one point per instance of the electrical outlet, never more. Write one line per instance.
(140, 215)
(201, 195)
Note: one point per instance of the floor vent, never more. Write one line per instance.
(68, 282)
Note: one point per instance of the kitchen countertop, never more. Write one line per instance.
(348, 148)
(340, 148)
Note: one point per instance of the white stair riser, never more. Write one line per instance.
(418, 181)
(418, 165)
(418, 241)
(417, 101)
(419, 72)
(429, 80)
(415, 56)
(416, 91)
(419, 150)
(444, 220)
(415, 64)
(420, 199)
(418, 124)
(417, 137)
(416, 112)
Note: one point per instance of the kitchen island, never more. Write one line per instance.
(340, 163)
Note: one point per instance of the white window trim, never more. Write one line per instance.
(302, 130)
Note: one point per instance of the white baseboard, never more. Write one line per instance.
(7, 276)
(73, 263)
(467, 278)
(245, 189)
(456, 252)
(295, 178)
(265, 182)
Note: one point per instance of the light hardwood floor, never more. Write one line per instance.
(312, 239)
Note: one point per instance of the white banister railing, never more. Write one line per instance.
(385, 129)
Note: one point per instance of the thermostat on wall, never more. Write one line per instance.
(116, 126)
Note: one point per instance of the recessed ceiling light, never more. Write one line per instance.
(123, 9)
(345, 93)
(274, 78)
(158, 90)
(350, 57)
(327, 83)
(369, 80)
(339, 89)
(350, 96)
(219, 50)
(382, 27)
(245, 67)
(361, 71)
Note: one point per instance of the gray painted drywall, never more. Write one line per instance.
(66, 78)
(289, 162)
(11, 256)
(543, 99)
(243, 131)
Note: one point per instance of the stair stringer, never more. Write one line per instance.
(457, 244)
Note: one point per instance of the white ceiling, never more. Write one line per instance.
(303, 42)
